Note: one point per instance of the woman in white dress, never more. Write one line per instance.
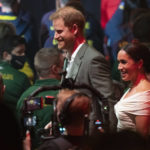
(133, 109)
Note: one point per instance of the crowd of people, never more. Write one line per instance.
(81, 84)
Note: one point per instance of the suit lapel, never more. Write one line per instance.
(77, 62)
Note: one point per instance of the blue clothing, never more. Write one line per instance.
(20, 22)
(47, 31)
(93, 32)
(117, 36)
(113, 29)
(116, 32)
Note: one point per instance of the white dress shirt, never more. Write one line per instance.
(70, 62)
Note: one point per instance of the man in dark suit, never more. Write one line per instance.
(86, 65)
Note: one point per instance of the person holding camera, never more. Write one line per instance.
(48, 64)
(72, 110)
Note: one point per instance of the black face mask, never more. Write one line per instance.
(18, 61)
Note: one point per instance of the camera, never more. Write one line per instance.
(35, 103)
(61, 129)
(30, 105)
(98, 124)
(30, 121)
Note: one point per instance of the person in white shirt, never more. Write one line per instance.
(87, 65)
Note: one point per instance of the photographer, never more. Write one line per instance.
(48, 64)
(72, 107)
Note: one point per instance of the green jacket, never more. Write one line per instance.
(43, 115)
(16, 83)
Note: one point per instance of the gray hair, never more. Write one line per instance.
(44, 59)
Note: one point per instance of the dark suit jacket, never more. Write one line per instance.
(90, 67)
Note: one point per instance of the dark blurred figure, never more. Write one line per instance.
(117, 27)
(7, 29)
(141, 30)
(123, 140)
(10, 138)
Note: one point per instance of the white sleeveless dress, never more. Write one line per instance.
(127, 108)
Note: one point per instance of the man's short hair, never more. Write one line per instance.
(44, 59)
(70, 16)
(80, 106)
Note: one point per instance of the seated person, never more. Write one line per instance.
(48, 63)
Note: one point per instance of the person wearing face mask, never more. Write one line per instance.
(8, 29)
(12, 58)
